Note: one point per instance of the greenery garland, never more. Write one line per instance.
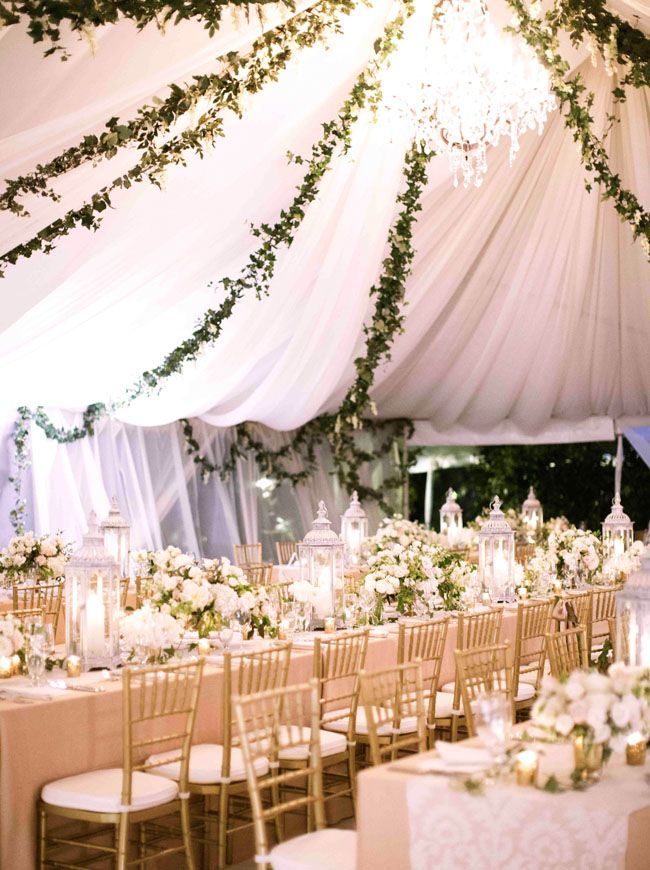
(339, 430)
(82, 16)
(269, 55)
(256, 275)
(541, 33)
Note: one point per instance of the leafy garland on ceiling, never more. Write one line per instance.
(256, 275)
(83, 16)
(618, 42)
(243, 74)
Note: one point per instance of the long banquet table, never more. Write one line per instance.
(417, 821)
(77, 732)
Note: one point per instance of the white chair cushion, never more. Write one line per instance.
(320, 850)
(100, 791)
(445, 705)
(331, 743)
(206, 761)
(526, 691)
(408, 725)
(448, 687)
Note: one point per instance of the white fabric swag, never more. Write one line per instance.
(528, 305)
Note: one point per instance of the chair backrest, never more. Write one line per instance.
(479, 629)
(47, 597)
(338, 660)
(389, 697)
(424, 641)
(258, 573)
(578, 610)
(248, 553)
(483, 670)
(158, 712)
(281, 720)
(603, 608)
(567, 650)
(26, 614)
(247, 674)
(125, 583)
(533, 624)
(285, 550)
(619, 634)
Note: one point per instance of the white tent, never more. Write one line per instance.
(528, 313)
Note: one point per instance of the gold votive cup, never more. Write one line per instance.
(486, 599)
(635, 751)
(283, 628)
(204, 646)
(330, 624)
(16, 664)
(73, 666)
(6, 667)
(526, 765)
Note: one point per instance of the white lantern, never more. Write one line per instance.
(354, 530)
(633, 616)
(532, 515)
(92, 603)
(451, 518)
(321, 563)
(117, 537)
(496, 552)
(617, 530)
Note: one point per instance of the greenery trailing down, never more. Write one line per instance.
(542, 34)
(248, 73)
(340, 430)
(256, 275)
(245, 74)
(45, 18)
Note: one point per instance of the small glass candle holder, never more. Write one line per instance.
(283, 629)
(73, 666)
(330, 624)
(635, 751)
(204, 646)
(486, 599)
(6, 667)
(526, 765)
(522, 592)
(16, 664)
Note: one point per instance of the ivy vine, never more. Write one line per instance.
(44, 18)
(541, 32)
(249, 73)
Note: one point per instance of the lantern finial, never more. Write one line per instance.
(531, 492)
(496, 505)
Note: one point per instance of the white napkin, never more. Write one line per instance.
(378, 631)
(460, 756)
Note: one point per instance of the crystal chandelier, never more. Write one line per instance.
(467, 86)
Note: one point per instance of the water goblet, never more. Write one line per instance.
(492, 714)
(36, 656)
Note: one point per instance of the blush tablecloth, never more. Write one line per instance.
(77, 732)
(416, 822)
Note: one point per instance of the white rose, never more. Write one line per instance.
(182, 561)
(40, 560)
(6, 646)
(564, 724)
(620, 714)
(48, 547)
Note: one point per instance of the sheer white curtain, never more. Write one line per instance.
(160, 490)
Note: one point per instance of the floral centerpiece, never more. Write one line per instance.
(250, 603)
(626, 563)
(574, 554)
(12, 639)
(397, 530)
(596, 711)
(150, 635)
(27, 557)
(402, 575)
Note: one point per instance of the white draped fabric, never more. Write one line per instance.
(528, 306)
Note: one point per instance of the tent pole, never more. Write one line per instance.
(428, 498)
(620, 458)
(405, 476)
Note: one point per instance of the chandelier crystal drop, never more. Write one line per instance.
(468, 85)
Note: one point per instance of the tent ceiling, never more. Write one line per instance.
(528, 307)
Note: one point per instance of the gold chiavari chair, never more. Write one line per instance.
(246, 554)
(578, 610)
(483, 670)
(125, 583)
(338, 661)
(603, 608)
(285, 551)
(258, 574)
(533, 624)
(524, 553)
(425, 641)
(216, 770)
(47, 597)
(393, 702)
(620, 639)
(26, 614)
(158, 708)
(474, 630)
(567, 651)
(285, 722)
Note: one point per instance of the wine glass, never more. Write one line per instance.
(367, 603)
(37, 654)
(493, 723)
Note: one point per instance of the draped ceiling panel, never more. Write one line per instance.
(528, 306)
